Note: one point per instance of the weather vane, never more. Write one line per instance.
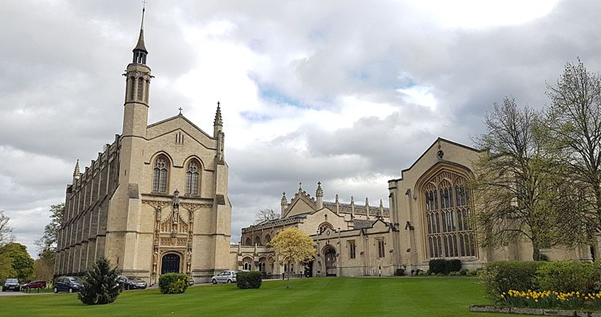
(180, 110)
(144, 4)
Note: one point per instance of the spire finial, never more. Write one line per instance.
(300, 187)
(143, 11)
(218, 120)
(319, 192)
(180, 110)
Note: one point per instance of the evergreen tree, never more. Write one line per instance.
(100, 285)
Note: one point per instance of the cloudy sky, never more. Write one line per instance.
(343, 92)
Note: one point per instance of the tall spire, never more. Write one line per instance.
(218, 120)
(140, 51)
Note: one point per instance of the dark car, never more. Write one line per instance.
(68, 284)
(11, 284)
(130, 283)
(34, 285)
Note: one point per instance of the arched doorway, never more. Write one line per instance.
(170, 263)
(330, 256)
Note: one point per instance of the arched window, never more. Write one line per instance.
(448, 224)
(325, 225)
(161, 173)
(267, 238)
(249, 241)
(140, 88)
(193, 178)
(258, 240)
(132, 87)
(247, 263)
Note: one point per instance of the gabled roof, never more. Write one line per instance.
(179, 116)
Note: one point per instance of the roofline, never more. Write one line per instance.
(185, 119)
(428, 149)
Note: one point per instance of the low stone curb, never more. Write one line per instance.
(533, 311)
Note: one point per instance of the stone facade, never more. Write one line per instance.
(435, 211)
(431, 216)
(155, 200)
(351, 240)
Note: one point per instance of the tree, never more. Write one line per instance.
(48, 242)
(292, 246)
(21, 263)
(516, 185)
(100, 285)
(266, 214)
(574, 128)
(50, 237)
(5, 229)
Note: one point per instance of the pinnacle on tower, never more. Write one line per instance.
(76, 171)
(218, 120)
(319, 191)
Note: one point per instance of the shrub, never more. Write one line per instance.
(399, 272)
(568, 276)
(252, 279)
(173, 283)
(444, 266)
(463, 271)
(420, 273)
(502, 276)
(472, 272)
(100, 285)
(454, 274)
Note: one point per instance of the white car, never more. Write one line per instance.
(224, 277)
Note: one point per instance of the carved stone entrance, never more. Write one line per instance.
(330, 256)
(170, 263)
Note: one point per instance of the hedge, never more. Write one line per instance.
(252, 279)
(569, 276)
(444, 266)
(502, 276)
(173, 283)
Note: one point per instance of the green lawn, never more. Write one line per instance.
(437, 296)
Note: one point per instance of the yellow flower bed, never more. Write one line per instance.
(551, 299)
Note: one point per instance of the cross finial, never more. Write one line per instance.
(180, 110)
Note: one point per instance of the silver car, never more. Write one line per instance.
(224, 277)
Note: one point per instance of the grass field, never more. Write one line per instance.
(306, 297)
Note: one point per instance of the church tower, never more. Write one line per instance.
(137, 85)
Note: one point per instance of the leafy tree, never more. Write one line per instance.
(48, 242)
(5, 229)
(100, 284)
(516, 185)
(574, 128)
(21, 263)
(292, 246)
(265, 215)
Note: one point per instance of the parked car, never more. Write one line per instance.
(224, 277)
(67, 284)
(130, 283)
(34, 285)
(11, 284)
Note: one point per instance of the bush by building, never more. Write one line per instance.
(444, 266)
(569, 276)
(501, 276)
(173, 283)
(252, 279)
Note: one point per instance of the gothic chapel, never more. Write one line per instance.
(155, 200)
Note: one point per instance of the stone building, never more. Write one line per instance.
(431, 216)
(434, 209)
(350, 239)
(155, 200)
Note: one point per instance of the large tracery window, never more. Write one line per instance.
(193, 178)
(448, 217)
(161, 172)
